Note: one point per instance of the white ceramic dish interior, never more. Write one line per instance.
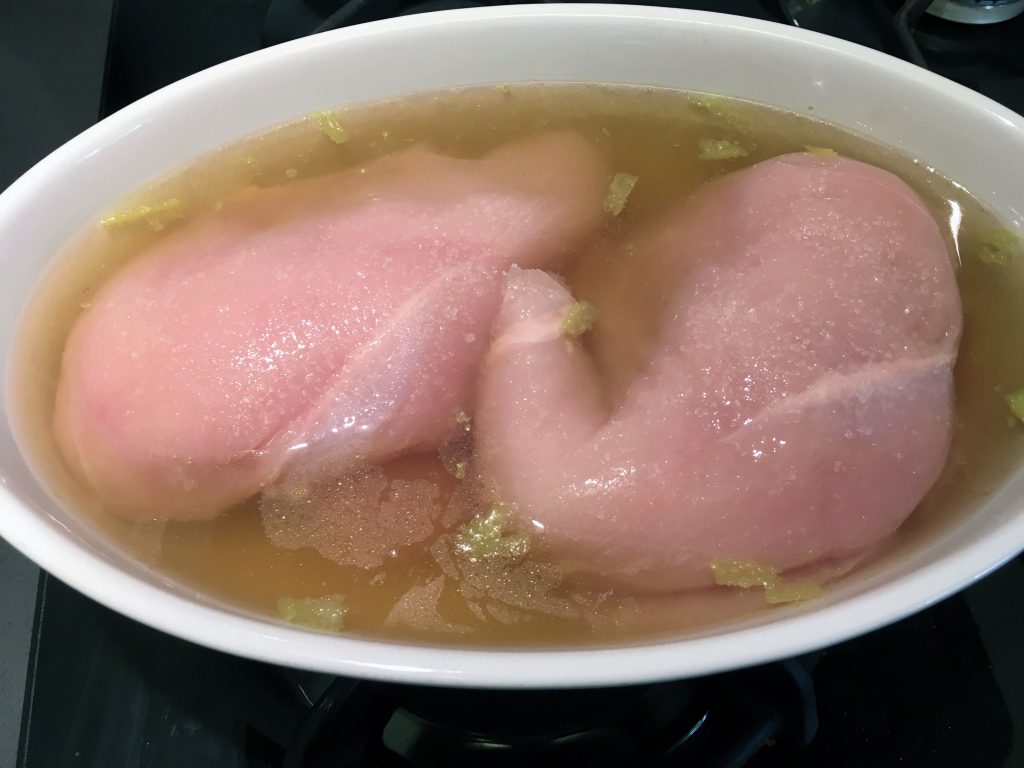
(966, 136)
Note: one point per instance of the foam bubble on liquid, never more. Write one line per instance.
(361, 518)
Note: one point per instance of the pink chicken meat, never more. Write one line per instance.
(770, 381)
(325, 322)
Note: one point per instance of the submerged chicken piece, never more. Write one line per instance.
(321, 323)
(770, 381)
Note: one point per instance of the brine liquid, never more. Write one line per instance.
(650, 133)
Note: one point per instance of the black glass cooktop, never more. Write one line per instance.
(943, 688)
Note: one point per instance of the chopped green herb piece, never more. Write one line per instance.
(619, 190)
(332, 129)
(1016, 402)
(157, 216)
(992, 256)
(326, 613)
(720, 149)
(723, 109)
(745, 574)
(579, 319)
(482, 536)
(741, 573)
(822, 151)
(999, 247)
(794, 592)
(1003, 239)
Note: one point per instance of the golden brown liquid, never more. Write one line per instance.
(648, 132)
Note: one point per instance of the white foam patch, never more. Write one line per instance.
(497, 589)
(418, 608)
(359, 519)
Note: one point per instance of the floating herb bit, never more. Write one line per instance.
(793, 592)
(462, 418)
(326, 613)
(720, 149)
(580, 319)
(745, 575)
(619, 190)
(460, 469)
(741, 573)
(482, 536)
(157, 216)
(999, 247)
(1016, 402)
(331, 128)
(723, 109)
(821, 151)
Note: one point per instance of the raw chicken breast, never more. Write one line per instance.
(323, 322)
(770, 380)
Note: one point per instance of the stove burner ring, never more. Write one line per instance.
(976, 11)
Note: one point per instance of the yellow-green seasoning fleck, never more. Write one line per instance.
(1016, 402)
(723, 109)
(482, 536)
(745, 575)
(720, 149)
(332, 129)
(326, 613)
(460, 470)
(619, 190)
(822, 151)
(1000, 246)
(793, 592)
(742, 573)
(157, 216)
(579, 319)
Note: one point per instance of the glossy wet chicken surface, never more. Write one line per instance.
(320, 390)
